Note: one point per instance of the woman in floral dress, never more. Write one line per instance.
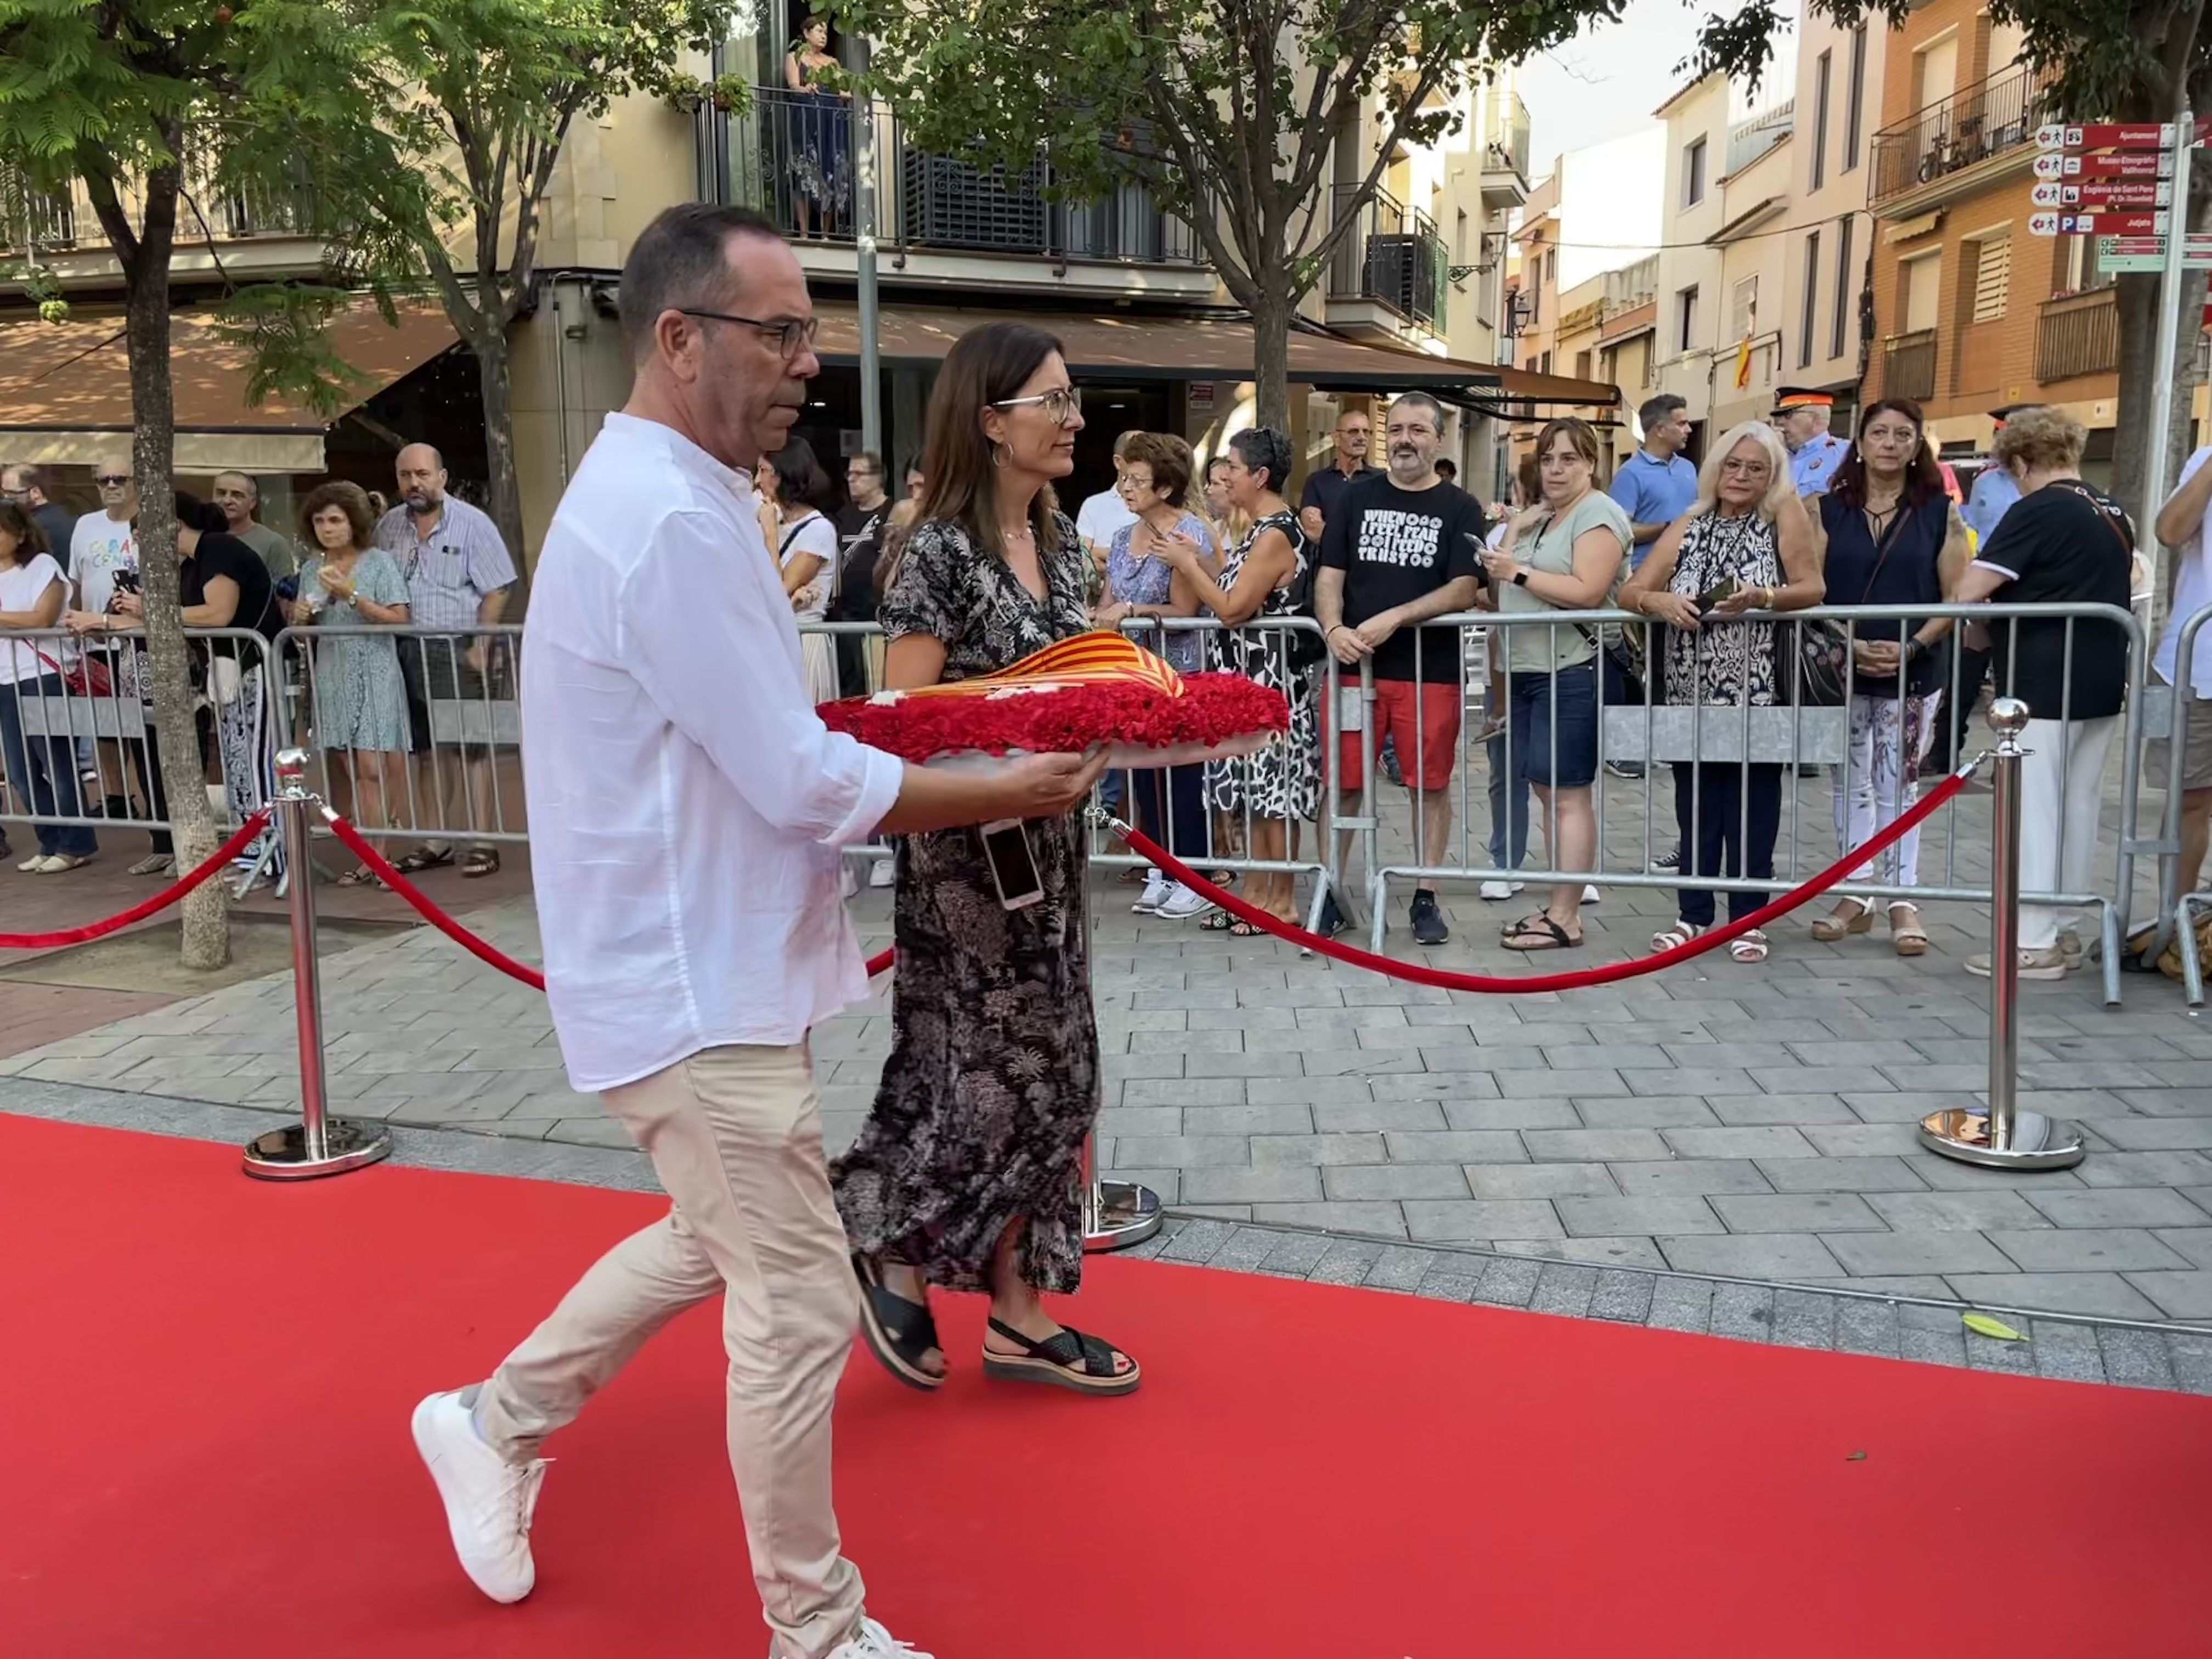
(968, 1174)
(1275, 789)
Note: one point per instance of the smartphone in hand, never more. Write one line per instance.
(1709, 601)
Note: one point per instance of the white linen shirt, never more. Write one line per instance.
(2192, 591)
(686, 803)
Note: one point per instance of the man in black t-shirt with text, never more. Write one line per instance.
(1400, 548)
(2063, 542)
(852, 599)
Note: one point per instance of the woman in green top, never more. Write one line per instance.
(1564, 554)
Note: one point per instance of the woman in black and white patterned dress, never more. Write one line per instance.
(1273, 790)
(1746, 544)
(967, 1175)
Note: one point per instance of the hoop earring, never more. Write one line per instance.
(1002, 454)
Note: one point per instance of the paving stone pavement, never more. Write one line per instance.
(1742, 1122)
(2059, 1346)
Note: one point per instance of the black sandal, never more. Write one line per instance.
(421, 858)
(1539, 933)
(1217, 922)
(481, 861)
(1068, 1359)
(898, 1332)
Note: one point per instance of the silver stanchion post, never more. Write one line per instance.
(1115, 1213)
(2004, 1138)
(317, 1145)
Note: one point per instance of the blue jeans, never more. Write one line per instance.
(44, 772)
(1504, 824)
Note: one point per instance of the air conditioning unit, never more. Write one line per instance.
(1400, 271)
(948, 203)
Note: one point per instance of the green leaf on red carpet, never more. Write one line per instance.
(1855, 1457)
(1984, 1325)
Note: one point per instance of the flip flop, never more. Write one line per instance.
(1540, 933)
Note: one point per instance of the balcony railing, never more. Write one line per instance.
(1749, 140)
(33, 219)
(795, 156)
(1505, 134)
(1393, 255)
(1908, 365)
(1985, 119)
(30, 219)
(2078, 334)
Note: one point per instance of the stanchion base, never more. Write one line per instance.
(2037, 1142)
(282, 1154)
(1121, 1214)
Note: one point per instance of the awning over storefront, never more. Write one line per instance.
(65, 389)
(1128, 347)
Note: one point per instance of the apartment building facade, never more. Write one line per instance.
(1971, 311)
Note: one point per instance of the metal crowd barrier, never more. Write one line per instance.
(434, 720)
(83, 718)
(1642, 731)
(2167, 714)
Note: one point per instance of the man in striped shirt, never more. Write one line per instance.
(459, 576)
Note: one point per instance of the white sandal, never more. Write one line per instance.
(1749, 947)
(1674, 938)
(1839, 923)
(1911, 939)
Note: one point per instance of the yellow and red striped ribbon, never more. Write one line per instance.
(1083, 660)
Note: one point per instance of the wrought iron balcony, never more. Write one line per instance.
(1988, 118)
(1394, 256)
(2078, 334)
(1908, 365)
(795, 156)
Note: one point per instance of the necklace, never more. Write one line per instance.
(1013, 532)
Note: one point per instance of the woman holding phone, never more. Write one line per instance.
(1744, 545)
(967, 1175)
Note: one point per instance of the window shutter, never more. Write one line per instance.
(1992, 277)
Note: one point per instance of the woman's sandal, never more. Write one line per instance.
(1749, 947)
(898, 1332)
(360, 876)
(1829, 928)
(1674, 938)
(1217, 922)
(421, 858)
(481, 861)
(1540, 933)
(1068, 1359)
(1911, 939)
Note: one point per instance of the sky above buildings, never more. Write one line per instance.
(1604, 83)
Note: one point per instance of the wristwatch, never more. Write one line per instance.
(1521, 579)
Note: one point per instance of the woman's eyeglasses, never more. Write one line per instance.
(1061, 404)
(1747, 469)
(791, 336)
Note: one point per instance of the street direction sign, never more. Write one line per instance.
(2110, 164)
(2086, 224)
(2119, 253)
(2105, 193)
(2114, 134)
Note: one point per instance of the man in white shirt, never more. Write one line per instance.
(1106, 512)
(687, 808)
(2184, 524)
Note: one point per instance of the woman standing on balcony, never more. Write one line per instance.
(821, 129)
(1888, 536)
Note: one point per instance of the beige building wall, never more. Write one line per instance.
(1690, 308)
(1751, 290)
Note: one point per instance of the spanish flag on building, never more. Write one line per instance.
(1743, 363)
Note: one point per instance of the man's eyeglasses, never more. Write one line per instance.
(1061, 404)
(111, 480)
(793, 336)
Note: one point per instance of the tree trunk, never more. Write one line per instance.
(1271, 354)
(206, 919)
(495, 374)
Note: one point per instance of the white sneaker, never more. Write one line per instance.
(873, 1642)
(882, 874)
(1591, 895)
(29, 866)
(57, 863)
(1496, 890)
(1181, 903)
(1156, 889)
(489, 1501)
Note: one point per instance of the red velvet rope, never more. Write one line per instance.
(160, 901)
(480, 948)
(1604, 974)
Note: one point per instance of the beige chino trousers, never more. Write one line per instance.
(735, 1135)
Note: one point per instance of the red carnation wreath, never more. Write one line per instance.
(1094, 688)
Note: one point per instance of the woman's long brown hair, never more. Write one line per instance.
(986, 366)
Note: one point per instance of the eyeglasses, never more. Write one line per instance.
(1746, 469)
(111, 480)
(1061, 404)
(793, 336)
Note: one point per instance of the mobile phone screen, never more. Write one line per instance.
(1006, 846)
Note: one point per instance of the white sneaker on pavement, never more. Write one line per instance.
(489, 1501)
(881, 873)
(873, 1642)
(29, 866)
(1591, 895)
(1156, 889)
(1181, 903)
(1495, 890)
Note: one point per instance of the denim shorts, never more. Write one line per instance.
(1554, 726)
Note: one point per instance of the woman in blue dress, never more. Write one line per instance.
(821, 131)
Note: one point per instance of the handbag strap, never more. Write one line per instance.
(1884, 547)
(2111, 522)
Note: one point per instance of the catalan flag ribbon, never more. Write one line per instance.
(1082, 660)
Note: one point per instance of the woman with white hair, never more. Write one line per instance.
(1744, 545)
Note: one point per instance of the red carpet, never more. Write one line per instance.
(205, 1453)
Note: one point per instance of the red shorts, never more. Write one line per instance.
(1436, 741)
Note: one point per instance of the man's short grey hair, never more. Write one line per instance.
(679, 262)
(1121, 444)
(252, 489)
(1422, 400)
(1658, 409)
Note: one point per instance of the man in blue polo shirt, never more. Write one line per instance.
(1801, 416)
(1657, 484)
